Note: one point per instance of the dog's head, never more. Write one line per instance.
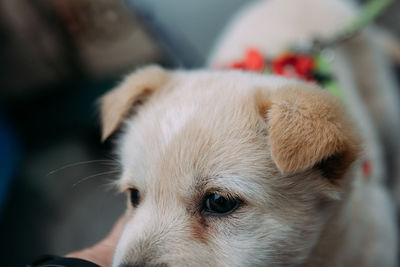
(225, 168)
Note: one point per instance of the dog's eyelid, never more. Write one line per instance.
(127, 188)
(225, 193)
(123, 189)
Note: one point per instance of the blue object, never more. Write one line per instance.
(9, 151)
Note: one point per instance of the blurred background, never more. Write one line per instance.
(57, 58)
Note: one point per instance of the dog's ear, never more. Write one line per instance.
(134, 89)
(307, 128)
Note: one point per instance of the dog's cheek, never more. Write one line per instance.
(121, 247)
(200, 229)
(208, 229)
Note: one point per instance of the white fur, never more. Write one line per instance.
(175, 119)
(202, 132)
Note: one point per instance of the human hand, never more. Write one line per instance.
(102, 252)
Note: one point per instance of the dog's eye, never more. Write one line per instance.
(218, 205)
(134, 195)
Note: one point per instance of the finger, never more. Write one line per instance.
(115, 233)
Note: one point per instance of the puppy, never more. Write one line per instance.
(232, 168)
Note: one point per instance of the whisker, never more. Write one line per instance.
(110, 184)
(104, 161)
(92, 176)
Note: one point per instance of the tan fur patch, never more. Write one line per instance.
(116, 104)
(199, 229)
(306, 126)
(263, 102)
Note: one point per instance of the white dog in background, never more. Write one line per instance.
(232, 168)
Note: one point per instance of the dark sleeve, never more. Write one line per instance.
(47, 261)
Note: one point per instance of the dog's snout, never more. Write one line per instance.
(144, 265)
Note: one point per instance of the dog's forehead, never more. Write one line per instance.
(205, 126)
